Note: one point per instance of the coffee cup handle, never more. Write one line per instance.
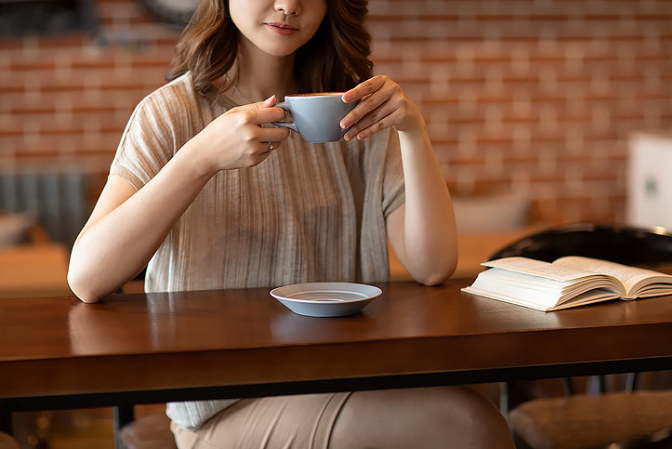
(291, 125)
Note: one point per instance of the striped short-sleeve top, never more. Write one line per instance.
(308, 213)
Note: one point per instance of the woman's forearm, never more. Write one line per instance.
(116, 245)
(429, 235)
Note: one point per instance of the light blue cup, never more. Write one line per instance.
(316, 116)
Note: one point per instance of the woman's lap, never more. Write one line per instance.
(440, 417)
(283, 422)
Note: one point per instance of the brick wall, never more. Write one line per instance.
(534, 97)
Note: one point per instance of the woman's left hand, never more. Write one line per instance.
(383, 104)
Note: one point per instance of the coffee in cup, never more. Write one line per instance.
(316, 116)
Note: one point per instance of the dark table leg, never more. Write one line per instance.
(123, 414)
(6, 423)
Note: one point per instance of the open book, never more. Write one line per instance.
(567, 282)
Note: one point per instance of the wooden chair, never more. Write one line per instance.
(624, 419)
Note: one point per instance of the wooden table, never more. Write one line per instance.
(57, 352)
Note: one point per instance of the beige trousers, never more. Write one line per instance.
(282, 422)
(429, 418)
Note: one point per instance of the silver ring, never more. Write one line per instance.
(270, 146)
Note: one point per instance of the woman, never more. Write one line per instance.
(211, 196)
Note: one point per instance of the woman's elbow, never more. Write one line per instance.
(438, 273)
(432, 278)
(80, 287)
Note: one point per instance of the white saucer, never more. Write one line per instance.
(326, 299)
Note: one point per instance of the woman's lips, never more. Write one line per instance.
(281, 28)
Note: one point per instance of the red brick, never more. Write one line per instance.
(490, 107)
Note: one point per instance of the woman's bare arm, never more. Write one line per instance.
(422, 232)
(127, 227)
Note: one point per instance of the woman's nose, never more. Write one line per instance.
(288, 7)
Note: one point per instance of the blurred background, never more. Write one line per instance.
(541, 112)
(538, 99)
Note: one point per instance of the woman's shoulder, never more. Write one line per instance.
(177, 96)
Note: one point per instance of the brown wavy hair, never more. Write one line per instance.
(335, 59)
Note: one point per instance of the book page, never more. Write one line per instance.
(556, 272)
(533, 302)
(631, 277)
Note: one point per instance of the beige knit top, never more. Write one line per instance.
(308, 213)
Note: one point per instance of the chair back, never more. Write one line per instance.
(628, 245)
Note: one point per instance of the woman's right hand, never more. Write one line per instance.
(237, 139)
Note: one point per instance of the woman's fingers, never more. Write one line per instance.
(371, 94)
(366, 106)
(373, 122)
(270, 146)
(366, 88)
(265, 150)
(273, 134)
(259, 113)
(264, 116)
(267, 103)
(384, 104)
(372, 107)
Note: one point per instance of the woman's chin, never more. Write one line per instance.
(280, 51)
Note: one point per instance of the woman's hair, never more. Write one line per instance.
(335, 59)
